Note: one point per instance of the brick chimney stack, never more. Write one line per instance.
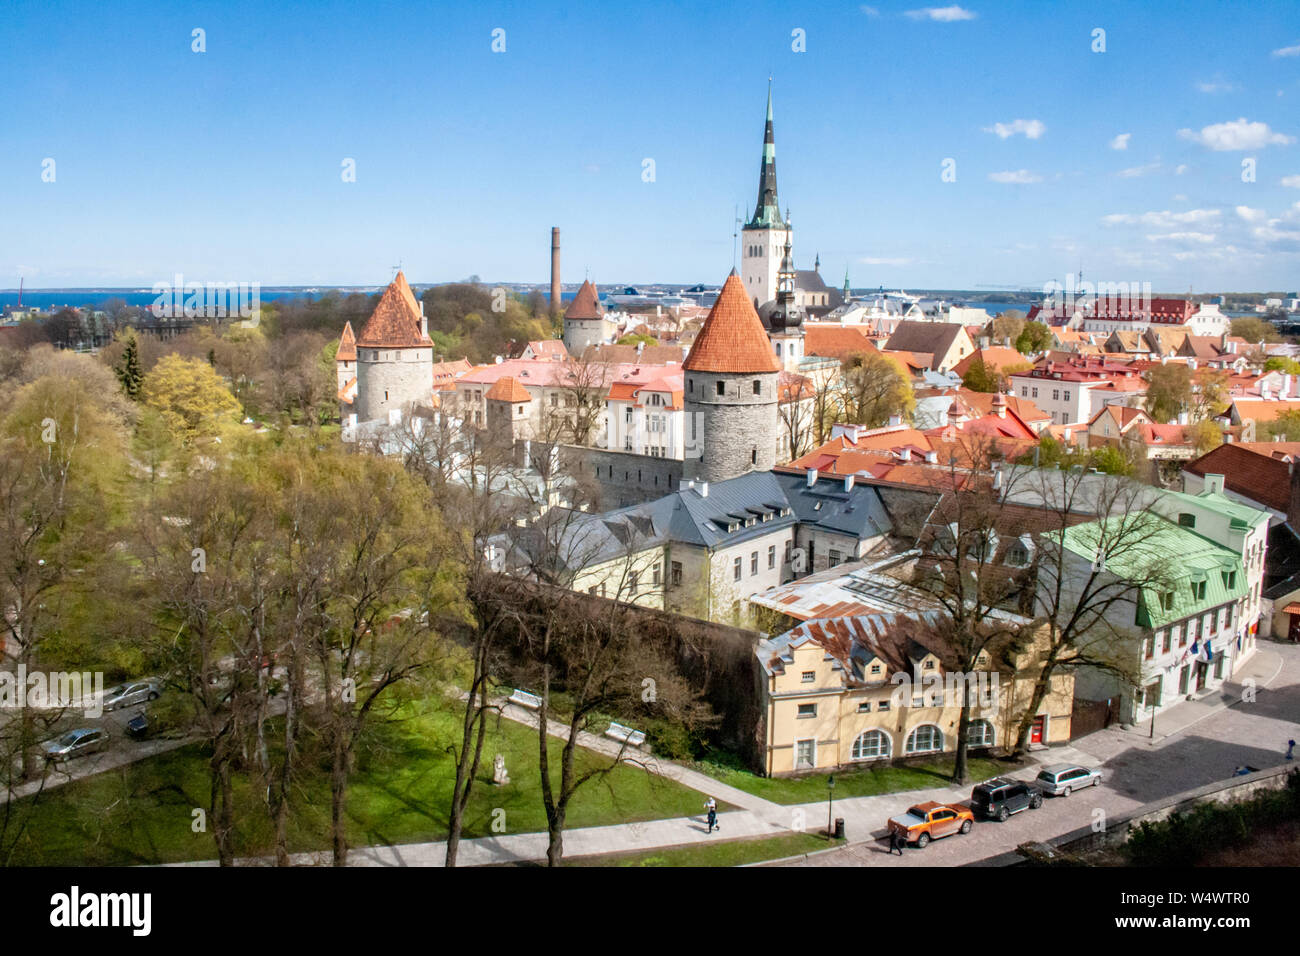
(556, 305)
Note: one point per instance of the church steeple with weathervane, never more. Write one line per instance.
(765, 235)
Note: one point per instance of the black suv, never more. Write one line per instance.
(999, 798)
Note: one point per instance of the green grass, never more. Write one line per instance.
(399, 794)
(730, 853)
(856, 783)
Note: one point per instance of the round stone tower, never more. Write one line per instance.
(394, 357)
(584, 322)
(731, 391)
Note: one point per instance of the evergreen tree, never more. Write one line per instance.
(128, 368)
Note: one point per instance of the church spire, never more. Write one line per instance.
(767, 212)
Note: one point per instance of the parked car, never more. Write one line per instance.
(75, 743)
(1000, 797)
(138, 726)
(931, 821)
(128, 695)
(1063, 778)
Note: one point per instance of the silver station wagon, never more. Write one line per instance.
(1061, 779)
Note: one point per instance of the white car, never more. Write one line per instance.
(1061, 779)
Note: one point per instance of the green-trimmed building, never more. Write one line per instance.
(1180, 633)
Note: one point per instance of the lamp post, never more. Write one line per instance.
(830, 806)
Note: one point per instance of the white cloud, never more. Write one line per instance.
(1163, 219)
(1015, 176)
(885, 261)
(1182, 237)
(1134, 171)
(1270, 234)
(1216, 86)
(941, 14)
(1180, 169)
(870, 11)
(1236, 134)
(1031, 128)
(1292, 181)
(1288, 51)
(1251, 215)
(1120, 141)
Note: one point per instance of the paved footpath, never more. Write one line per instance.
(1138, 769)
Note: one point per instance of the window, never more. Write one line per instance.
(1056, 394)
(631, 583)
(690, 385)
(753, 457)
(805, 754)
(677, 573)
(808, 677)
(875, 668)
(1035, 392)
(771, 556)
(980, 734)
(1167, 641)
(788, 545)
(1230, 579)
(1186, 520)
(758, 386)
(722, 388)
(753, 563)
(1066, 394)
(1198, 590)
(658, 575)
(735, 569)
(871, 745)
(924, 739)
(929, 665)
(864, 707)
(807, 710)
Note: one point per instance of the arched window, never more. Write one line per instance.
(871, 745)
(924, 739)
(980, 734)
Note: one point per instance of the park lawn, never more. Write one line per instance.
(868, 782)
(143, 813)
(722, 853)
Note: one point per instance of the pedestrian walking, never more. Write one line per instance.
(1290, 750)
(713, 819)
(896, 842)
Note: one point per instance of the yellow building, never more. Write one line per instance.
(855, 690)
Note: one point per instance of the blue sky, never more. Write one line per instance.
(225, 165)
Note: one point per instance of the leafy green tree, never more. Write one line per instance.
(1034, 337)
(1254, 329)
(638, 340)
(1205, 436)
(875, 388)
(1285, 427)
(191, 397)
(1169, 392)
(1280, 363)
(980, 378)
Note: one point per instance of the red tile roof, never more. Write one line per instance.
(508, 389)
(1247, 472)
(733, 339)
(586, 304)
(830, 341)
(347, 345)
(996, 358)
(395, 322)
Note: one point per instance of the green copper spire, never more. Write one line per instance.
(767, 212)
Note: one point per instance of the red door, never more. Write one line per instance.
(1036, 731)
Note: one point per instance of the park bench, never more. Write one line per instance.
(627, 735)
(525, 699)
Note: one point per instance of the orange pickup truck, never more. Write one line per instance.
(931, 821)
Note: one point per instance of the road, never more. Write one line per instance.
(1195, 744)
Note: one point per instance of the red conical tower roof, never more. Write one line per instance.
(585, 305)
(396, 321)
(347, 345)
(732, 339)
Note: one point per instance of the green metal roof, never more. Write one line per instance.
(1188, 558)
(1242, 517)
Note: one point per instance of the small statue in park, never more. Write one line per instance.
(499, 775)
